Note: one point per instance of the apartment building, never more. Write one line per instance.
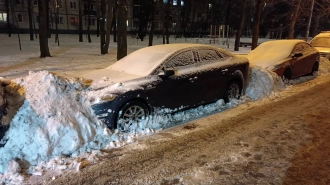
(66, 14)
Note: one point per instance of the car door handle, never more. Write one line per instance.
(224, 70)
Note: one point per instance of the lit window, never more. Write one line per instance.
(3, 17)
(210, 6)
(182, 3)
(165, 1)
(175, 2)
(74, 20)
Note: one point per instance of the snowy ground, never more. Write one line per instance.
(46, 110)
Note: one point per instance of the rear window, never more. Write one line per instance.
(321, 42)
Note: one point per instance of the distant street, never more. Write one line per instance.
(279, 142)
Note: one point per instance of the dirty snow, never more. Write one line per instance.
(47, 110)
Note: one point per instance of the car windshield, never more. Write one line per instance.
(141, 62)
(321, 42)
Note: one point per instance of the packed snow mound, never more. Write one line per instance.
(54, 120)
(262, 83)
(324, 66)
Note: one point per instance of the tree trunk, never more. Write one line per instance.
(152, 21)
(8, 22)
(241, 25)
(122, 29)
(89, 21)
(57, 39)
(256, 21)
(309, 21)
(294, 20)
(168, 12)
(97, 18)
(102, 28)
(43, 37)
(67, 15)
(29, 3)
(47, 21)
(107, 34)
(114, 21)
(80, 28)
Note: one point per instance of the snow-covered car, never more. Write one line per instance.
(321, 42)
(287, 58)
(171, 77)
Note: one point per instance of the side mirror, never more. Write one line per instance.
(167, 73)
(296, 55)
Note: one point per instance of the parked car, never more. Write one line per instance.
(322, 43)
(171, 76)
(287, 58)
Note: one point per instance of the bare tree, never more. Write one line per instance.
(152, 21)
(105, 36)
(293, 19)
(43, 28)
(240, 28)
(122, 29)
(80, 27)
(30, 11)
(102, 27)
(256, 23)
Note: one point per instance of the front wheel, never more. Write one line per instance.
(131, 114)
(233, 91)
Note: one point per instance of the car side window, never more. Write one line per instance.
(208, 55)
(182, 59)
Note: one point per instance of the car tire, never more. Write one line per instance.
(233, 91)
(286, 75)
(133, 111)
(315, 68)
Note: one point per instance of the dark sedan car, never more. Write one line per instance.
(171, 76)
(287, 58)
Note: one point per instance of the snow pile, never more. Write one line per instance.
(54, 120)
(262, 83)
(324, 66)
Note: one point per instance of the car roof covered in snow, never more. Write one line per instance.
(270, 53)
(143, 61)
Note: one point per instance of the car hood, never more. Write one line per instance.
(105, 77)
(323, 49)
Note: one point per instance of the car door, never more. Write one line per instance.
(298, 63)
(310, 57)
(212, 78)
(179, 90)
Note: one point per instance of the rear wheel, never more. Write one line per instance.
(130, 114)
(315, 68)
(286, 75)
(233, 91)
